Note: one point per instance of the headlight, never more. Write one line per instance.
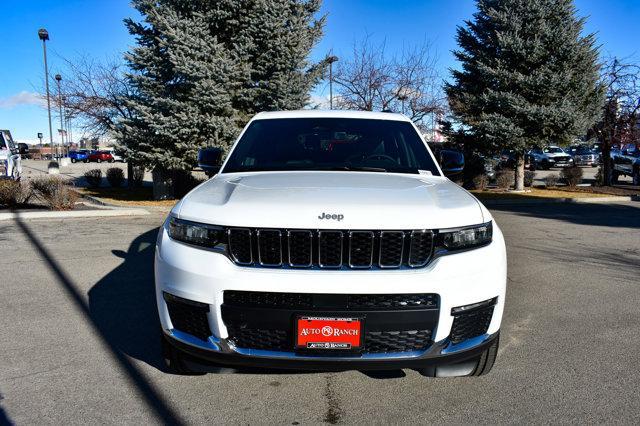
(470, 237)
(199, 234)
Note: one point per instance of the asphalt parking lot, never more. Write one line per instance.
(79, 335)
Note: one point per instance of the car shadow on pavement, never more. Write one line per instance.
(123, 304)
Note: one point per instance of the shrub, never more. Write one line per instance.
(551, 181)
(528, 178)
(504, 179)
(480, 182)
(115, 176)
(572, 175)
(55, 192)
(93, 177)
(599, 178)
(13, 193)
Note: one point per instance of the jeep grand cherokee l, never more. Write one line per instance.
(330, 240)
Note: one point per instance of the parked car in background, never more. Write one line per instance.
(583, 155)
(508, 160)
(10, 162)
(23, 150)
(117, 157)
(550, 156)
(100, 156)
(626, 162)
(80, 155)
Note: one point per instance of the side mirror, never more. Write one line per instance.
(210, 160)
(451, 162)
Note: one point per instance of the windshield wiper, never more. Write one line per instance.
(358, 168)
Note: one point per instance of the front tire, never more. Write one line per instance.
(487, 359)
(73, 160)
(99, 160)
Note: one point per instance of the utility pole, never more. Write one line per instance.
(43, 35)
(331, 60)
(58, 78)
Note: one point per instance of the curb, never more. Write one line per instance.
(73, 214)
(584, 200)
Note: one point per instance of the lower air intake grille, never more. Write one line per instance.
(397, 341)
(254, 338)
(188, 316)
(471, 324)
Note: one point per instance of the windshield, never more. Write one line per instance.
(553, 150)
(583, 150)
(330, 144)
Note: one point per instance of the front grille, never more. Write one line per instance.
(263, 299)
(374, 342)
(397, 341)
(392, 322)
(188, 316)
(471, 324)
(330, 249)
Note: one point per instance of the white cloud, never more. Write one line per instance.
(22, 98)
(319, 102)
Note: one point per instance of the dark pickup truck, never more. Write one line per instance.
(626, 162)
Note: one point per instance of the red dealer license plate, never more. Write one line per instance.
(328, 333)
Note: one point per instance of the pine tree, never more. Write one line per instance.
(202, 68)
(529, 77)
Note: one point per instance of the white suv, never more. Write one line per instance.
(330, 240)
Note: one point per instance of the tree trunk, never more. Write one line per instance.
(519, 175)
(130, 183)
(606, 161)
(162, 184)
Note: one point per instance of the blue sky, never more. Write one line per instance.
(94, 27)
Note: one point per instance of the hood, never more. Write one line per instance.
(331, 200)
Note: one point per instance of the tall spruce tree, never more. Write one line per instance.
(529, 77)
(202, 68)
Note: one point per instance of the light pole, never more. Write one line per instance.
(44, 36)
(58, 78)
(402, 98)
(331, 60)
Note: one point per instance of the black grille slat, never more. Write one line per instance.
(240, 245)
(420, 248)
(270, 247)
(361, 249)
(300, 248)
(471, 324)
(391, 249)
(397, 341)
(188, 316)
(330, 249)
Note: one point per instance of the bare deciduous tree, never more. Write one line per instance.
(94, 93)
(408, 82)
(621, 115)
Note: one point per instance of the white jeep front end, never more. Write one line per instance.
(377, 264)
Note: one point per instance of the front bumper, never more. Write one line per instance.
(203, 276)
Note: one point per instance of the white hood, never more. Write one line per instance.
(365, 200)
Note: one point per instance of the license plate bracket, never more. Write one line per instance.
(328, 333)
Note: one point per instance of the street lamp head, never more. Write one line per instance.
(43, 34)
(58, 77)
(332, 59)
